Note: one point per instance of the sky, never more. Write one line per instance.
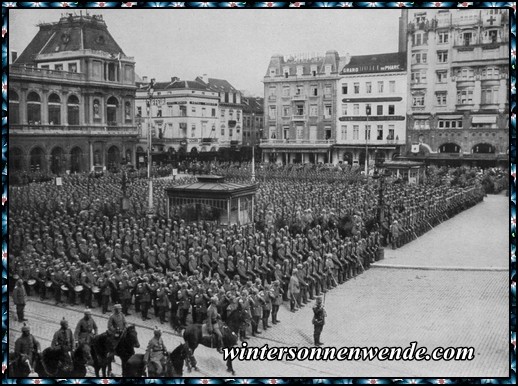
(231, 44)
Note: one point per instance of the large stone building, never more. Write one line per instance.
(71, 99)
(300, 108)
(371, 102)
(253, 120)
(458, 102)
(183, 117)
(188, 116)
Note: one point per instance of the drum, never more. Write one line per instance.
(31, 282)
(78, 288)
(48, 284)
(96, 289)
(64, 288)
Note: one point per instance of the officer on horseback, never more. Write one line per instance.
(213, 322)
(64, 340)
(156, 354)
(117, 322)
(26, 346)
(86, 328)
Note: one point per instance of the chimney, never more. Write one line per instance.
(14, 56)
(204, 78)
(174, 79)
(144, 79)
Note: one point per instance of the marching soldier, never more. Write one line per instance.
(26, 346)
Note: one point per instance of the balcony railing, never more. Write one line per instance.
(300, 97)
(298, 142)
(45, 73)
(72, 130)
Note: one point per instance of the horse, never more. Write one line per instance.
(193, 336)
(135, 367)
(51, 363)
(105, 346)
(19, 366)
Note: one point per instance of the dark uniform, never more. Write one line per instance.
(319, 317)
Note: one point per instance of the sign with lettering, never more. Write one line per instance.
(158, 101)
(372, 68)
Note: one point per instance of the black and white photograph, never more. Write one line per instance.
(258, 193)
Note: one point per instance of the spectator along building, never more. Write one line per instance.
(188, 116)
(71, 99)
(458, 102)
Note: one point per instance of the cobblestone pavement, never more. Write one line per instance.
(382, 307)
(478, 237)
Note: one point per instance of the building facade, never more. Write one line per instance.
(183, 117)
(300, 110)
(458, 102)
(230, 111)
(71, 100)
(371, 100)
(253, 120)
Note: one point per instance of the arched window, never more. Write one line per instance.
(14, 107)
(33, 109)
(54, 106)
(127, 112)
(111, 111)
(73, 110)
(96, 110)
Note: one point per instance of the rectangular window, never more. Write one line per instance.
(313, 110)
(213, 112)
(379, 110)
(368, 87)
(230, 132)
(314, 90)
(368, 109)
(300, 132)
(441, 98)
(356, 109)
(465, 96)
(418, 77)
(344, 109)
(344, 132)
(356, 88)
(286, 91)
(222, 113)
(442, 56)
(139, 111)
(223, 132)
(272, 112)
(391, 132)
(367, 132)
(272, 91)
(392, 86)
(193, 130)
(193, 110)
(286, 111)
(356, 132)
(72, 67)
(489, 95)
(344, 88)
(327, 111)
(327, 91)
(273, 132)
(58, 67)
(381, 87)
(467, 73)
(417, 101)
(159, 113)
(467, 38)
(203, 111)
(443, 37)
(183, 111)
(442, 76)
(379, 133)
(300, 109)
(391, 109)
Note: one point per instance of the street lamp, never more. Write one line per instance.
(150, 91)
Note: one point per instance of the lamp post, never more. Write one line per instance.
(253, 164)
(150, 91)
(367, 134)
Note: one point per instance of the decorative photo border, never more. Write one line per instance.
(512, 190)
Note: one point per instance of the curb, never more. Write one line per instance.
(440, 268)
